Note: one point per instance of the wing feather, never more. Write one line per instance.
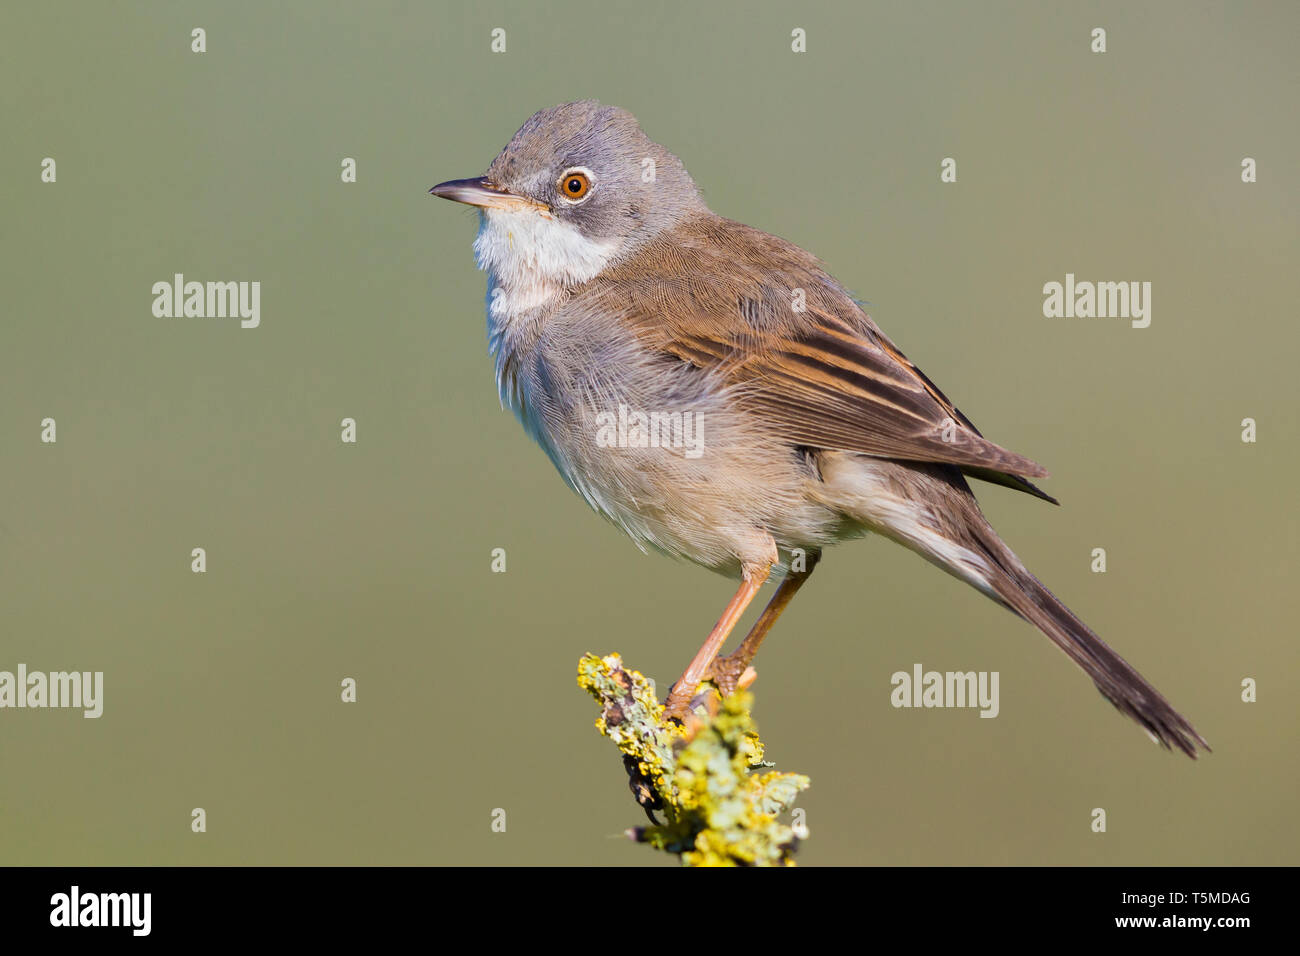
(823, 375)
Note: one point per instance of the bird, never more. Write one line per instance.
(714, 392)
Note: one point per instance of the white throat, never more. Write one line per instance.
(531, 257)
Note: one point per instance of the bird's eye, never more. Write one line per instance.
(574, 185)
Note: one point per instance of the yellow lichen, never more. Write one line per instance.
(718, 812)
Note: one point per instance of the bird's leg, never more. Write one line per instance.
(679, 698)
(727, 671)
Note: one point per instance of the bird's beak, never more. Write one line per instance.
(484, 193)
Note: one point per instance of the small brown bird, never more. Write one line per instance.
(714, 392)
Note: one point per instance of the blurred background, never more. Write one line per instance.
(373, 560)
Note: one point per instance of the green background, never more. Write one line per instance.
(372, 560)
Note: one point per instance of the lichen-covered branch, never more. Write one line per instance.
(718, 810)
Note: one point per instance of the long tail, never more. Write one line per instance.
(930, 509)
(1115, 677)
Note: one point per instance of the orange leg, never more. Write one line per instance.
(727, 672)
(679, 699)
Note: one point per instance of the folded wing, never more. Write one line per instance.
(796, 348)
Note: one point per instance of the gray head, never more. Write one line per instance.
(579, 185)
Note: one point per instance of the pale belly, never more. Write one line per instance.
(667, 457)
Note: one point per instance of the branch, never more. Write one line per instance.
(717, 812)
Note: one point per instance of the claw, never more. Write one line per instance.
(730, 674)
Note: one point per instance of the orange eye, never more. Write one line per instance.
(574, 185)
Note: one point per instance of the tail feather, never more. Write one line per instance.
(930, 509)
(1117, 680)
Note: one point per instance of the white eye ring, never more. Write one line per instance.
(582, 173)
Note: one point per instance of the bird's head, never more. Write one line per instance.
(578, 187)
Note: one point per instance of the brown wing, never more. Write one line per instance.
(797, 348)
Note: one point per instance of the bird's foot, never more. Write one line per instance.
(680, 705)
(728, 674)
(731, 673)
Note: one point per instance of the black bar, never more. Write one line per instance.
(189, 904)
